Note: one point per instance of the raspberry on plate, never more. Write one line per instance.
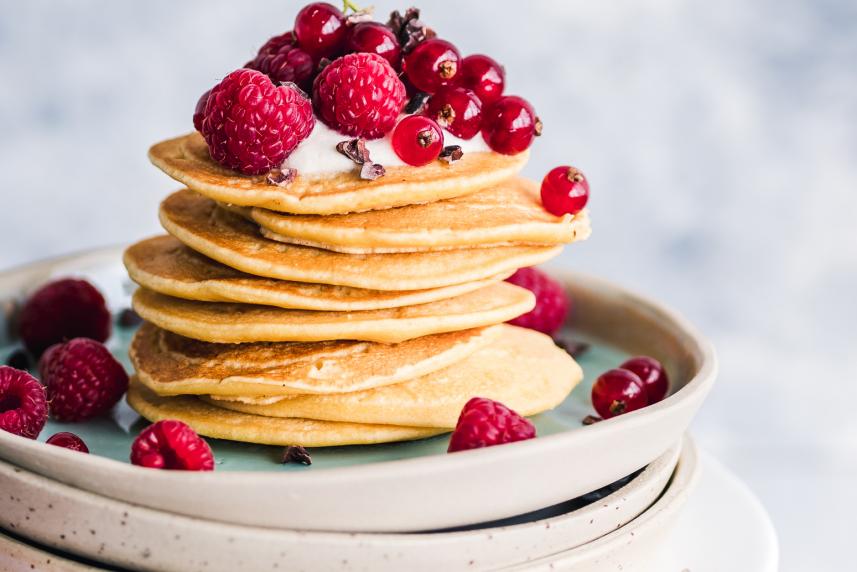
(82, 378)
(359, 95)
(251, 125)
(282, 61)
(171, 444)
(61, 310)
(552, 303)
(23, 407)
(484, 423)
(68, 440)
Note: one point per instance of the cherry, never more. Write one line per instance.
(320, 30)
(375, 38)
(456, 109)
(564, 191)
(652, 374)
(432, 64)
(510, 124)
(68, 441)
(484, 76)
(618, 391)
(417, 140)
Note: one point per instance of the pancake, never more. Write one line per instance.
(186, 160)
(225, 322)
(170, 364)
(165, 265)
(523, 369)
(508, 213)
(219, 423)
(235, 242)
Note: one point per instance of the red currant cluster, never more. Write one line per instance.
(638, 382)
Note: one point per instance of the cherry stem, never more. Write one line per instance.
(349, 5)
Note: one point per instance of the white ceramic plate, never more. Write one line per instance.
(118, 533)
(424, 492)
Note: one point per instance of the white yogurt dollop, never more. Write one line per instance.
(317, 154)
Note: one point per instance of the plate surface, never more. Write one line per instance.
(398, 487)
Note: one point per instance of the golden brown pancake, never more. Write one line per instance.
(509, 213)
(186, 160)
(170, 364)
(165, 265)
(227, 238)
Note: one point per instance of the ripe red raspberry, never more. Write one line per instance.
(199, 111)
(251, 125)
(552, 303)
(484, 423)
(83, 379)
(62, 310)
(282, 61)
(23, 408)
(359, 95)
(68, 441)
(171, 444)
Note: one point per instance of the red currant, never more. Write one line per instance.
(618, 391)
(375, 38)
(564, 191)
(457, 110)
(417, 140)
(68, 441)
(484, 76)
(510, 124)
(652, 374)
(432, 64)
(320, 30)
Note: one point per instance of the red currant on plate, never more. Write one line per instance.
(564, 191)
(375, 38)
(68, 441)
(432, 64)
(484, 76)
(652, 374)
(618, 391)
(457, 110)
(320, 30)
(510, 124)
(417, 140)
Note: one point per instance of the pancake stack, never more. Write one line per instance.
(334, 310)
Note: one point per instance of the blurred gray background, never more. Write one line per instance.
(720, 139)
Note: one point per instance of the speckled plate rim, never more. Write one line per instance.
(323, 500)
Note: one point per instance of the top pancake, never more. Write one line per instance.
(508, 213)
(231, 240)
(187, 160)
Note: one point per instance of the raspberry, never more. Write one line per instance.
(62, 310)
(282, 61)
(484, 423)
(83, 379)
(251, 125)
(199, 110)
(359, 95)
(171, 444)
(23, 408)
(68, 441)
(552, 303)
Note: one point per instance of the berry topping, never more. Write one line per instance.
(83, 379)
(68, 441)
(457, 110)
(552, 303)
(282, 61)
(618, 391)
(432, 64)
(199, 111)
(63, 310)
(23, 408)
(564, 191)
(417, 140)
(374, 38)
(251, 125)
(483, 76)
(510, 124)
(359, 95)
(171, 444)
(320, 30)
(484, 423)
(652, 374)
